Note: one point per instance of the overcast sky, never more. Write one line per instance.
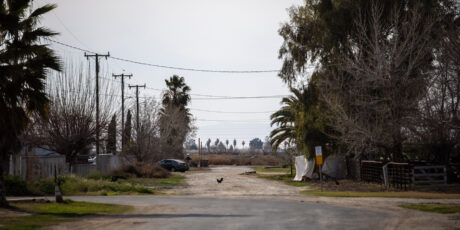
(201, 34)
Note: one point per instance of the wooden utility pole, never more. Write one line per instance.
(137, 113)
(137, 103)
(122, 76)
(96, 58)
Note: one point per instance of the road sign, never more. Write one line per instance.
(319, 155)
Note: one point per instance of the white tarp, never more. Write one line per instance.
(334, 166)
(303, 167)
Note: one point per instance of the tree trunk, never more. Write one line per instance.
(398, 152)
(3, 201)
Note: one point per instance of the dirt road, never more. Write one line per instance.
(235, 184)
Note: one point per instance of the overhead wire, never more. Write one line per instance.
(172, 67)
(230, 112)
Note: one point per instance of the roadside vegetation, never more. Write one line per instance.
(408, 194)
(438, 208)
(72, 185)
(40, 214)
(130, 179)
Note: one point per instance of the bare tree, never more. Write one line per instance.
(146, 145)
(438, 125)
(373, 91)
(71, 127)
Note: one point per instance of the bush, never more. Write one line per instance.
(97, 176)
(140, 170)
(15, 186)
(43, 187)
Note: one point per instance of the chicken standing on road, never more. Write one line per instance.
(220, 180)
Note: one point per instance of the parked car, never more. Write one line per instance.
(174, 165)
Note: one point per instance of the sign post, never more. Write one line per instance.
(319, 162)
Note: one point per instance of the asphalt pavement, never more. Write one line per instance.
(190, 213)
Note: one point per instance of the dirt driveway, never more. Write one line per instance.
(235, 184)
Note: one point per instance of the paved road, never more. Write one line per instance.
(191, 213)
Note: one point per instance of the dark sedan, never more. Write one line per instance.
(174, 165)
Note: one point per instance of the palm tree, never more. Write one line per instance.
(285, 119)
(175, 117)
(234, 143)
(226, 143)
(300, 121)
(178, 92)
(24, 64)
(243, 143)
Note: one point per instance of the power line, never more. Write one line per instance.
(166, 66)
(253, 97)
(217, 111)
(195, 69)
(233, 120)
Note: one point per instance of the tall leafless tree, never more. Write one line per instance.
(71, 127)
(373, 90)
(146, 142)
(437, 129)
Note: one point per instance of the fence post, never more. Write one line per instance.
(385, 175)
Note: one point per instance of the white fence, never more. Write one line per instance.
(429, 175)
(35, 167)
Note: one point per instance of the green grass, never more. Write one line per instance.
(173, 180)
(72, 185)
(410, 194)
(271, 170)
(438, 208)
(286, 178)
(82, 186)
(46, 214)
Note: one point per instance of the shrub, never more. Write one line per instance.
(97, 176)
(15, 186)
(140, 170)
(43, 187)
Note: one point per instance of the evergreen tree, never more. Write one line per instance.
(24, 62)
(127, 131)
(112, 136)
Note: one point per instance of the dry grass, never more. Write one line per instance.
(139, 170)
(224, 159)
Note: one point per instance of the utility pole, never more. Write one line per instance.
(96, 58)
(122, 76)
(137, 103)
(137, 113)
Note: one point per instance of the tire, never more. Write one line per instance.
(173, 169)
